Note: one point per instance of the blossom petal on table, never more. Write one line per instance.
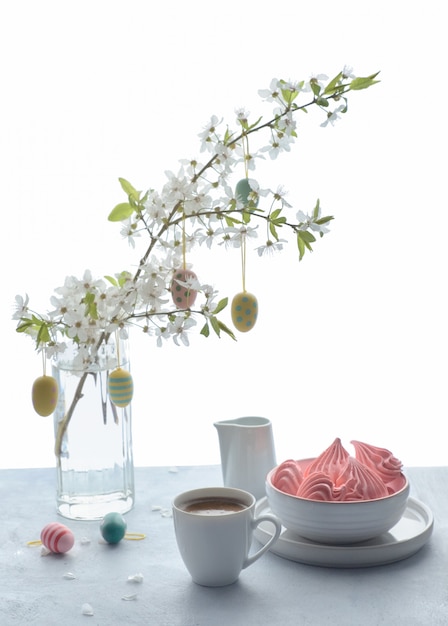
(136, 578)
(87, 609)
(129, 597)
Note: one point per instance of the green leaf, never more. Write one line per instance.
(273, 231)
(129, 189)
(215, 325)
(323, 102)
(255, 123)
(324, 220)
(304, 240)
(333, 85)
(112, 280)
(121, 212)
(91, 309)
(221, 305)
(307, 236)
(275, 214)
(226, 329)
(301, 246)
(43, 336)
(26, 326)
(315, 87)
(316, 209)
(363, 83)
(205, 330)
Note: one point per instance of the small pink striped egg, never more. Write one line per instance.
(57, 537)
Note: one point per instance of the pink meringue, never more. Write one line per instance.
(380, 460)
(288, 477)
(360, 482)
(336, 476)
(319, 486)
(331, 461)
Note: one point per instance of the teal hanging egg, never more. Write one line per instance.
(183, 297)
(244, 311)
(121, 387)
(242, 191)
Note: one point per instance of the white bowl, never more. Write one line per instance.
(337, 522)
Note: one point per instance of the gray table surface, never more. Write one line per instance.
(34, 589)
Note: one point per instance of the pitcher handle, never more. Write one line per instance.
(278, 529)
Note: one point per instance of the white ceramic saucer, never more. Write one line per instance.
(403, 540)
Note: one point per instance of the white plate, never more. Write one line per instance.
(403, 540)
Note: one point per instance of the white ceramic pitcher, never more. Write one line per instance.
(247, 453)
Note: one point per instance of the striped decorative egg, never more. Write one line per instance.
(44, 395)
(183, 297)
(121, 387)
(244, 311)
(57, 537)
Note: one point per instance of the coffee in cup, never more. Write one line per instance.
(214, 529)
(213, 506)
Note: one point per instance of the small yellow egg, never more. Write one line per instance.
(44, 395)
(183, 297)
(121, 387)
(244, 311)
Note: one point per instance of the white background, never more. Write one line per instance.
(351, 342)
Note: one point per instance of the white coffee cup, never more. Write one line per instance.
(214, 528)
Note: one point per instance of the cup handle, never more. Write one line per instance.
(278, 529)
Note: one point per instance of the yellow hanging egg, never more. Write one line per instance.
(183, 297)
(244, 311)
(121, 387)
(44, 395)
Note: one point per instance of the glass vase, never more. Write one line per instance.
(93, 436)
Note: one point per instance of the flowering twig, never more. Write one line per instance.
(200, 197)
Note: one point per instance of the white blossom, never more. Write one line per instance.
(21, 307)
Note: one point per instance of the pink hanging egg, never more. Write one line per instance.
(57, 538)
(183, 296)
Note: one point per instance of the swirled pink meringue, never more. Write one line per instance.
(319, 486)
(380, 460)
(331, 461)
(360, 482)
(288, 477)
(336, 476)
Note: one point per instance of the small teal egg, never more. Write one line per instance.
(242, 192)
(113, 527)
(183, 297)
(244, 311)
(121, 387)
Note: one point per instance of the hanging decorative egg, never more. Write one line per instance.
(121, 387)
(44, 395)
(57, 538)
(183, 297)
(242, 191)
(244, 311)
